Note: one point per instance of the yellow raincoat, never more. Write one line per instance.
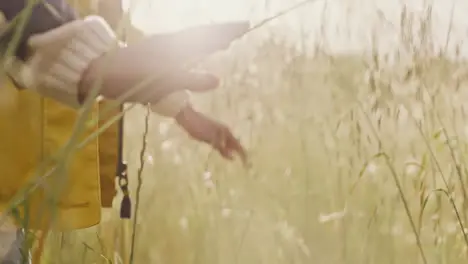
(33, 128)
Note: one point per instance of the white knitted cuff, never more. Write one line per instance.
(172, 104)
(84, 41)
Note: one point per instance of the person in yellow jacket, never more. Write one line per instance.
(52, 70)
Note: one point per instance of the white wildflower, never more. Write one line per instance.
(166, 145)
(226, 212)
(150, 159)
(324, 218)
(371, 168)
(183, 222)
(209, 184)
(207, 175)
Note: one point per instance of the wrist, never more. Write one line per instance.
(184, 114)
(173, 104)
(61, 59)
(186, 119)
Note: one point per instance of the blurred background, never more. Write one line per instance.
(354, 116)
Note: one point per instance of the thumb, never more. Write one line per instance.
(194, 81)
(201, 81)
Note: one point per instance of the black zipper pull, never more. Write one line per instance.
(126, 204)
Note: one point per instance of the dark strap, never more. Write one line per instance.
(45, 15)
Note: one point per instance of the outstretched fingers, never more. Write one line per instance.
(229, 146)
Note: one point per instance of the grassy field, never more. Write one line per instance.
(355, 159)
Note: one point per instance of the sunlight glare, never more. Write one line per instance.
(155, 16)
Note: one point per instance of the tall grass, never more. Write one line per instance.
(356, 158)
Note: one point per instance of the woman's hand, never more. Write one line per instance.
(162, 57)
(204, 129)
